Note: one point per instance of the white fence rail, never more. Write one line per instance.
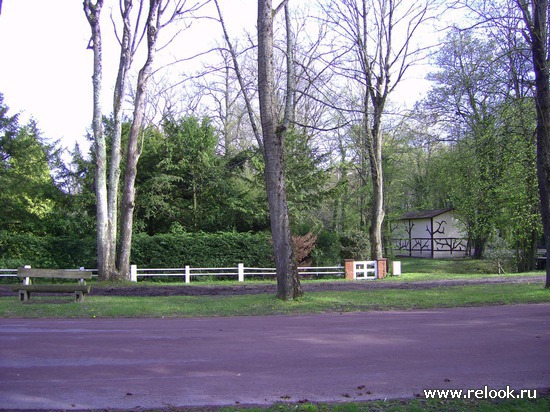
(6, 273)
(240, 272)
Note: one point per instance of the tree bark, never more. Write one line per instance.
(377, 212)
(125, 60)
(536, 19)
(542, 85)
(93, 13)
(288, 283)
(129, 193)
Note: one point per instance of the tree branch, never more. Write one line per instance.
(280, 7)
(249, 109)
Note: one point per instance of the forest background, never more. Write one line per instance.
(200, 195)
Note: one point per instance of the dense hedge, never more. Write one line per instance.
(162, 250)
(46, 251)
(202, 250)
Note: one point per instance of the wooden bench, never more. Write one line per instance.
(79, 289)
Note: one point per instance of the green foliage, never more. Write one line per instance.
(202, 250)
(355, 245)
(488, 171)
(46, 251)
(175, 249)
(306, 176)
(181, 178)
(28, 195)
(327, 251)
(76, 210)
(442, 267)
(500, 254)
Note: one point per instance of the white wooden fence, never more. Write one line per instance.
(5, 273)
(358, 270)
(240, 272)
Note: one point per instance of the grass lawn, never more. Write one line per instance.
(538, 405)
(266, 304)
(447, 266)
(413, 270)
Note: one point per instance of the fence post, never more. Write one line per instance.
(133, 273)
(381, 268)
(349, 265)
(187, 274)
(240, 268)
(27, 281)
(396, 268)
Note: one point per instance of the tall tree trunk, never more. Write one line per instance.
(373, 145)
(535, 14)
(288, 283)
(125, 60)
(377, 177)
(128, 194)
(542, 84)
(271, 143)
(93, 12)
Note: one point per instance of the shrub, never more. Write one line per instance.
(355, 245)
(327, 252)
(18, 249)
(224, 249)
(177, 249)
(501, 254)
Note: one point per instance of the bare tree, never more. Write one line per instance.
(159, 17)
(271, 142)
(128, 47)
(160, 14)
(273, 133)
(377, 38)
(128, 192)
(93, 12)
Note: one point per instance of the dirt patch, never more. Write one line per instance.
(252, 289)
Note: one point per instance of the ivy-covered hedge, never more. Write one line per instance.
(202, 250)
(161, 251)
(46, 251)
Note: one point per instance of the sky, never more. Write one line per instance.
(46, 68)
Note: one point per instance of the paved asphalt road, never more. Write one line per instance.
(131, 363)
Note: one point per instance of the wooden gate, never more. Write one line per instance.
(365, 270)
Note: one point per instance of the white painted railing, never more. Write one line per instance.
(5, 273)
(240, 272)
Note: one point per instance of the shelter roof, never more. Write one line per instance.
(425, 214)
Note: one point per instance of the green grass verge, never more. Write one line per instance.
(415, 405)
(447, 266)
(421, 276)
(266, 304)
(542, 404)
